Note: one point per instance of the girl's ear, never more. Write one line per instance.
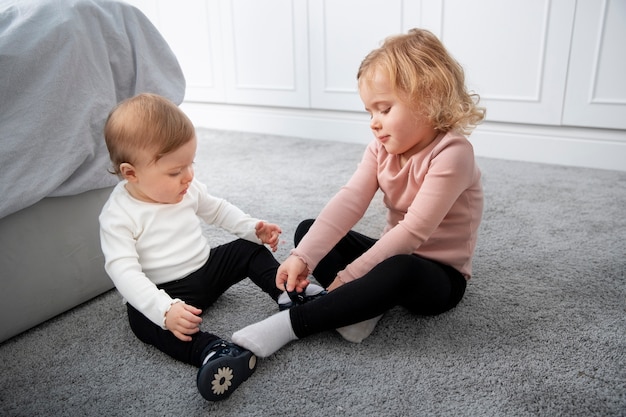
(128, 172)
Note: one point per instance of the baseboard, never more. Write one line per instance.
(561, 145)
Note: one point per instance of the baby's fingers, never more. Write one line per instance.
(181, 336)
(193, 310)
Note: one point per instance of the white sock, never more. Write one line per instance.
(357, 332)
(267, 336)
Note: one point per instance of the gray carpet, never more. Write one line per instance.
(540, 332)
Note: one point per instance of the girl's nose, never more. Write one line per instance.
(374, 123)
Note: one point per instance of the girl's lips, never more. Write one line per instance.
(383, 139)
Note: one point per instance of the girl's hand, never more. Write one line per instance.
(183, 320)
(268, 233)
(292, 274)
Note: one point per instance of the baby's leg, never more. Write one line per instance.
(262, 268)
(223, 366)
(166, 342)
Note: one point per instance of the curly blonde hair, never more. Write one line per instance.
(419, 66)
(145, 122)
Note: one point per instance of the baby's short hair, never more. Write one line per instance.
(145, 122)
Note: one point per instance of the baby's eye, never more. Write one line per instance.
(174, 174)
(385, 111)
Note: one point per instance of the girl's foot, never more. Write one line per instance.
(267, 336)
(357, 332)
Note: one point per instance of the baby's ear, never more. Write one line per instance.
(128, 171)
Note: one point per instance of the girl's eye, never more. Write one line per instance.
(174, 174)
(386, 110)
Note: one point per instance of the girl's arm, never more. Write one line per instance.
(342, 212)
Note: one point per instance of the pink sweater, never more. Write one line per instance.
(434, 204)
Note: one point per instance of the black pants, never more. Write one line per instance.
(423, 286)
(227, 265)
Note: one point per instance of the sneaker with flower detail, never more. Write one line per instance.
(224, 368)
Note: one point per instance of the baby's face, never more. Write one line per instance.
(165, 181)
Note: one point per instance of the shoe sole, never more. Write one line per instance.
(219, 377)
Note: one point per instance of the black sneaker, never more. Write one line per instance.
(311, 292)
(225, 367)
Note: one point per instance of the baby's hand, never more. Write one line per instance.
(269, 234)
(183, 320)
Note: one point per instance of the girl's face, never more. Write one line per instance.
(165, 181)
(400, 128)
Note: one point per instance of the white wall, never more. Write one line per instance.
(550, 72)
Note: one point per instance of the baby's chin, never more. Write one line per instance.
(176, 200)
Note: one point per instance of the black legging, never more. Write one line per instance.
(423, 286)
(227, 265)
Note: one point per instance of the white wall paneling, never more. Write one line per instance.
(194, 34)
(266, 52)
(562, 145)
(341, 34)
(303, 123)
(514, 53)
(584, 147)
(550, 72)
(596, 86)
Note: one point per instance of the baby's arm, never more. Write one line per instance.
(269, 234)
(221, 213)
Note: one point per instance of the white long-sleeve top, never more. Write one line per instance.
(146, 244)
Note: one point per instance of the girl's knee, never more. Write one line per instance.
(395, 272)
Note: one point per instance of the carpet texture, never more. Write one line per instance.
(541, 330)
